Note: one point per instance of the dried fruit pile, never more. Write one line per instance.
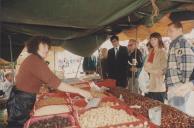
(111, 112)
(171, 117)
(54, 122)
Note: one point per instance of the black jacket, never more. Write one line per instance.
(102, 67)
(139, 65)
(118, 66)
(89, 63)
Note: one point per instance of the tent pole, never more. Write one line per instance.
(10, 47)
(133, 72)
(11, 55)
(99, 59)
(54, 60)
(78, 67)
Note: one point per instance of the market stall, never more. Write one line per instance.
(58, 109)
(171, 117)
(71, 25)
(117, 109)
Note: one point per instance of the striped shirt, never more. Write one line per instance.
(180, 62)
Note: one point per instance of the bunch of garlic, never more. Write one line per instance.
(104, 116)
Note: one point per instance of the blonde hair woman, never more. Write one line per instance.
(102, 63)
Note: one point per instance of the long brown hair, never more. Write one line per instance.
(159, 37)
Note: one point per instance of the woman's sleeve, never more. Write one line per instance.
(163, 61)
(162, 66)
(139, 59)
(147, 67)
(42, 72)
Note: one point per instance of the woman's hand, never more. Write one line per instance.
(68, 88)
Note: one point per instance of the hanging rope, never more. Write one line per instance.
(133, 72)
(99, 60)
(10, 48)
(78, 67)
(136, 42)
(155, 11)
(11, 55)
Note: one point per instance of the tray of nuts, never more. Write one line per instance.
(110, 83)
(95, 94)
(52, 121)
(111, 117)
(51, 99)
(52, 109)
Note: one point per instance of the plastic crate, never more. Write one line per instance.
(74, 96)
(112, 99)
(41, 118)
(110, 83)
(141, 119)
(41, 100)
(81, 103)
(69, 112)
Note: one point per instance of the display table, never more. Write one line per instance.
(72, 110)
(171, 117)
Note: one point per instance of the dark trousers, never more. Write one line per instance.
(19, 106)
(121, 82)
(160, 96)
(192, 76)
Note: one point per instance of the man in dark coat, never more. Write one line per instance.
(118, 62)
(135, 66)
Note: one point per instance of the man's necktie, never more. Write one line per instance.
(116, 52)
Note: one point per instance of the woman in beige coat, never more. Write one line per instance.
(155, 65)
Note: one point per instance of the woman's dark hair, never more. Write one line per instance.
(159, 37)
(148, 45)
(33, 44)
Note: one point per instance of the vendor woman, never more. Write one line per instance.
(32, 74)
